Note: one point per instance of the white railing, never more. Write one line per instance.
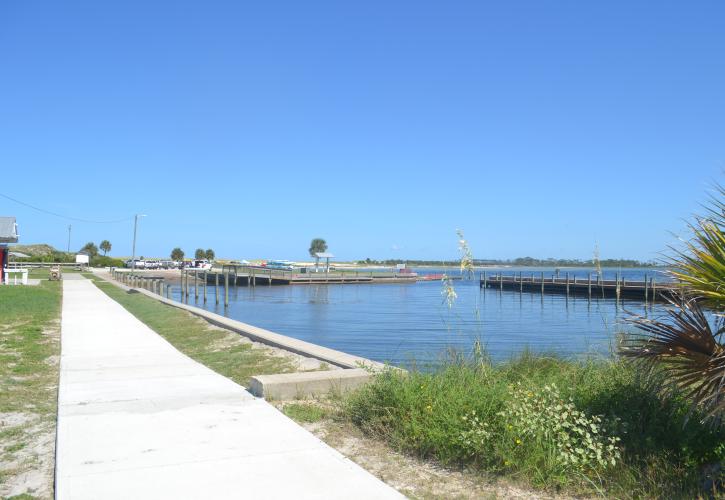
(23, 276)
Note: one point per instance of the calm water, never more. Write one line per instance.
(399, 323)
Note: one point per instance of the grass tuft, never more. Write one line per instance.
(305, 412)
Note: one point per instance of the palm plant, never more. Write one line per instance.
(687, 345)
(105, 246)
(701, 265)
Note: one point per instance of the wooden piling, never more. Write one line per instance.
(226, 289)
(196, 285)
(521, 283)
(567, 284)
(542, 283)
(645, 288)
(589, 285)
(485, 280)
(216, 287)
(206, 279)
(616, 285)
(500, 281)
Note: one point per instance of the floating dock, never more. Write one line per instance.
(646, 289)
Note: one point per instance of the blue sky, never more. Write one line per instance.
(539, 128)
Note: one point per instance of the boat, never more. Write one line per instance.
(285, 265)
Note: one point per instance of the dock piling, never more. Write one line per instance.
(645, 288)
(617, 284)
(226, 289)
(216, 287)
(589, 285)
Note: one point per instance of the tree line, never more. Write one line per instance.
(178, 254)
(520, 261)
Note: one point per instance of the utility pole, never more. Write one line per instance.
(133, 257)
(69, 228)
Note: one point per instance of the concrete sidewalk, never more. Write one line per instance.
(138, 419)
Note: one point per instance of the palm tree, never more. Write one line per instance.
(200, 253)
(105, 246)
(177, 254)
(90, 248)
(317, 245)
(209, 254)
(687, 346)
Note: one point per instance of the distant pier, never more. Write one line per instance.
(647, 289)
(253, 276)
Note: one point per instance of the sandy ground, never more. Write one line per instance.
(27, 447)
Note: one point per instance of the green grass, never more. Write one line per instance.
(25, 315)
(432, 415)
(29, 346)
(305, 412)
(220, 350)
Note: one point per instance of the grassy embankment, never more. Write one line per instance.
(29, 349)
(225, 352)
(581, 427)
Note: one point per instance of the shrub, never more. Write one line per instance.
(103, 261)
(570, 439)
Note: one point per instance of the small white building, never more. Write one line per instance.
(83, 259)
(8, 234)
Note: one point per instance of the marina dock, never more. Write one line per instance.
(647, 289)
(253, 276)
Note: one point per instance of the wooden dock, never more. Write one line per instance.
(196, 281)
(647, 289)
(253, 276)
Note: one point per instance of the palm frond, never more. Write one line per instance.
(700, 264)
(687, 347)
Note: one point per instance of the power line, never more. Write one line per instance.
(65, 216)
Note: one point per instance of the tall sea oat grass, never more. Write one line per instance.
(466, 254)
(597, 260)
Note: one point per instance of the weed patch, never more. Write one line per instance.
(305, 412)
(589, 427)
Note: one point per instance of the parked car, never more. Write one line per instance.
(201, 264)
